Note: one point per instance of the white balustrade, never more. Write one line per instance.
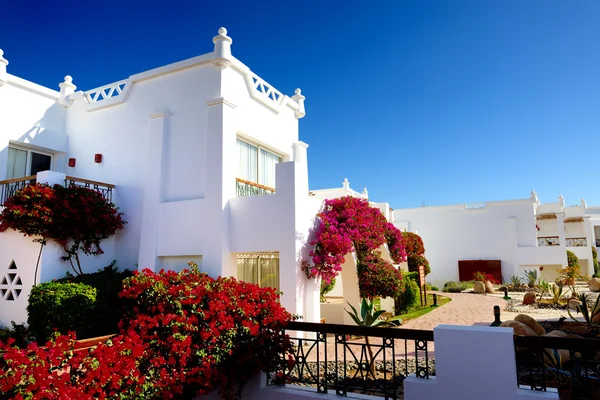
(264, 88)
(106, 92)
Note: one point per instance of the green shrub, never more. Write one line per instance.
(61, 306)
(455, 287)
(408, 295)
(413, 276)
(107, 313)
(326, 288)
(572, 259)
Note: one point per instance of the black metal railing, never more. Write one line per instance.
(105, 189)
(576, 242)
(246, 188)
(570, 365)
(544, 241)
(351, 359)
(9, 187)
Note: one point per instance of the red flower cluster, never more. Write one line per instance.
(75, 217)
(184, 334)
(350, 224)
(484, 277)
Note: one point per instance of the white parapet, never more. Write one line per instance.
(472, 362)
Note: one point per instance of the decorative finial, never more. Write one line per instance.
(346, 184)
(3, 64)
(583, 203)
(365, 193)
(561, 200)
(222, 49)
(299, 98)
(66, 89)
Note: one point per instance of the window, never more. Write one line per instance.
(259, 268)
(23, 162)
(256, 164)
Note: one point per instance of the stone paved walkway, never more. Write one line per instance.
(464, 309)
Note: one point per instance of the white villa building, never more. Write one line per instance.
(202, 156)
(521, 234)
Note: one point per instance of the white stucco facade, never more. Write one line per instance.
(522, 234)
(168, 143)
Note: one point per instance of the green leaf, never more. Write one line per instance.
(364, 308)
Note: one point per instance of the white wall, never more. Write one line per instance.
(574, 230)
(30, 117)
(489, 372)
(453, 233)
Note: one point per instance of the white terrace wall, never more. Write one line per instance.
(492, 231)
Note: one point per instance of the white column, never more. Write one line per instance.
(217, 259)
(153, 191)
(67, 88)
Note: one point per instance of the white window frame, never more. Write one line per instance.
(259, 171)
(30, 150)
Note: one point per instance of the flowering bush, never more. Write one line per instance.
(377, 277)
(484, 277)
(75, 217)
(415, 251)
(184, 334)
(350, 224)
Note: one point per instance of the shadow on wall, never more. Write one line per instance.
(45, 135)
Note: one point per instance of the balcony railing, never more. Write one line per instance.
(246, 188)
(569, 365)
(105, 189)
(544, 241)
(9, 187)
(576, 242)
(337, 359)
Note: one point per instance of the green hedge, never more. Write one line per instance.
(61, 306)
(456, 287)
(96, 319)
(408, 294)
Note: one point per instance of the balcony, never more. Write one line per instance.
(545, 241)
(9, 187)
(245, 188)
(576, 242)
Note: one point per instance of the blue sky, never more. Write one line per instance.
(439, 102)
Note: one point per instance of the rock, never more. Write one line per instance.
(556, 333)
(519, 328)
(489, 288)
(529, 298)
(573, 303)
(479, 287)
(574, 336)
(532, 323)
(594, 284)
